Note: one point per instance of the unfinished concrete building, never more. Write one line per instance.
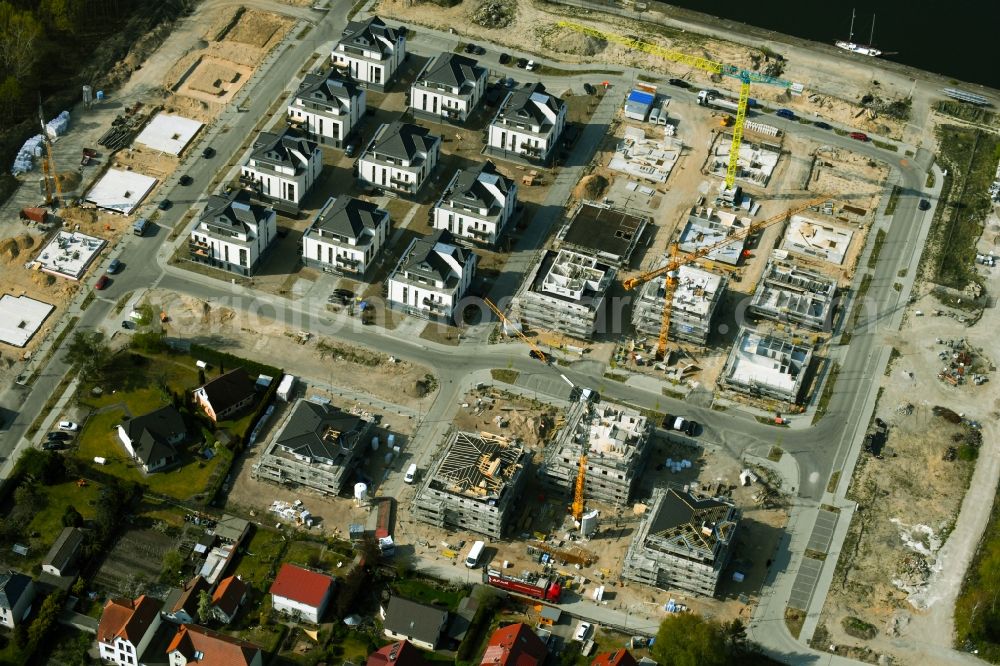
(615, 440)
(473, 484)
(318, 446)
(696, 297)
(684, 543)
(766, 366)
(565, 292)
(790, 294)
(707, 227)
(756, 162)
(602, 231)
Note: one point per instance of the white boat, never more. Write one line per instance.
(860, 49)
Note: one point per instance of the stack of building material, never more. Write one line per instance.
(25, 160)
(57, 126)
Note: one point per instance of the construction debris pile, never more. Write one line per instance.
(124, 128)
(963, 363)
(494, 14)
(294, 513)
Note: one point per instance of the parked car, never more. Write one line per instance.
(680, 83)
(350, 148)
(127, 325)
(678, 423)
(522, 63)
(470, 48)
(531, 65)
(68, 425)
(165, 204)
(582, 631)
(691, 428)
(589, 89)
(208, 153)
(186, 180)
(58, 436)
(924, 204)
(824, 126)
(479, 50)
(534, 353)
(504, 58)
(114, 267)
(53, 446)
(102, 282)
(859, 136)
(785, 113)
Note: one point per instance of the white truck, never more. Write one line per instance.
(286, 387)
(714, 99)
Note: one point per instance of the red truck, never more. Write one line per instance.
(544, 588)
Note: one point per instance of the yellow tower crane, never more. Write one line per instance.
(669, 270)
(535, 351)
(581, 478)
(49, 164)
(745, 76)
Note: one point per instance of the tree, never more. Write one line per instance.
(173, 563)
(71, 517)
(10, 97)
(19, 36)
(151, 342)
(204, 606)
(687, 639)
(63, 15)
(88, 353)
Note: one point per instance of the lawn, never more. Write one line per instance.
(48, 519)
(425, 592)
(141, 383)
(261, 558)
(317, 555)
(99, 439)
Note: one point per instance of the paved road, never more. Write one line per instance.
(817, 450)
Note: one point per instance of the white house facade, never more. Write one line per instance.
(126, 629)
(327, 107)
(431, 277)
(370, 51)
(528, 124)
(400, 158)
(477, 204)
(17, 593)
(233, 233)
(301, 593)
(450, 86)
(282, 167)
(346, 237)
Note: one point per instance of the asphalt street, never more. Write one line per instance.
(817, 450)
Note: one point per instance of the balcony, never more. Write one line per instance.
(199, 249)
(434, 306)
(345, 260)
(479, 234)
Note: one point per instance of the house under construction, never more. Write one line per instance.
(684, 543)
(790, 294)
(473, 484)
(615, 440)
(566, 293)
(696, 297)
(318, 446)
(607, 233)
(767, 366)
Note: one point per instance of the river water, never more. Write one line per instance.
(956, 39)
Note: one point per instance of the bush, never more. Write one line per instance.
(858, 628)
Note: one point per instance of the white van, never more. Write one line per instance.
(472, 561)
(411, 473)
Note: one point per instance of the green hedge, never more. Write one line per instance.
(229, 362)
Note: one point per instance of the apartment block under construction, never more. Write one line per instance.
(790, 294)
(473, 483)
(614, 440)
(684, 543)
(696, 298)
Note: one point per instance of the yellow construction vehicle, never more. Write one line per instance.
(746, 77)
(669, 270)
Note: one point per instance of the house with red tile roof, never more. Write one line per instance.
(620, 657)
(228, 597)
(126, 629)
(299, 591)
(514, 645)
(196, 645)
(401, 653)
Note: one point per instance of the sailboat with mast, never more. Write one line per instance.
(861, 49)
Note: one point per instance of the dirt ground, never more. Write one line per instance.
(493, 410)
(534, 29)
(260, 338)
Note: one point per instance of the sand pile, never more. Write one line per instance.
(591, 187)
(564, 40)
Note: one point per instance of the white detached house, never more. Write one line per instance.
(233, 233)
(528, 124)
(300, 592)
(126, 629)
(283, 166)
(477, 204)
(370, 51)
(400, 158)
(431, 277)
(327, 107)
(346, 237)
(450, 86)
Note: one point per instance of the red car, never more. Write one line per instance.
(859, 136)
(102, 282)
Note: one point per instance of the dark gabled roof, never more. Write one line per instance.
(424, 258)
(331, 86)
(229, 389)
(186, 598)
(692, 522)
(283, 148)
(229, 594)
(12, 586)
(320, 431)
(150, 433)
(470, 187)
(369, 34)
(349, 217)
(408, 618)
(404, 141)
(234, 211)
(64, 549)
(452, 70)
(523, 104)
